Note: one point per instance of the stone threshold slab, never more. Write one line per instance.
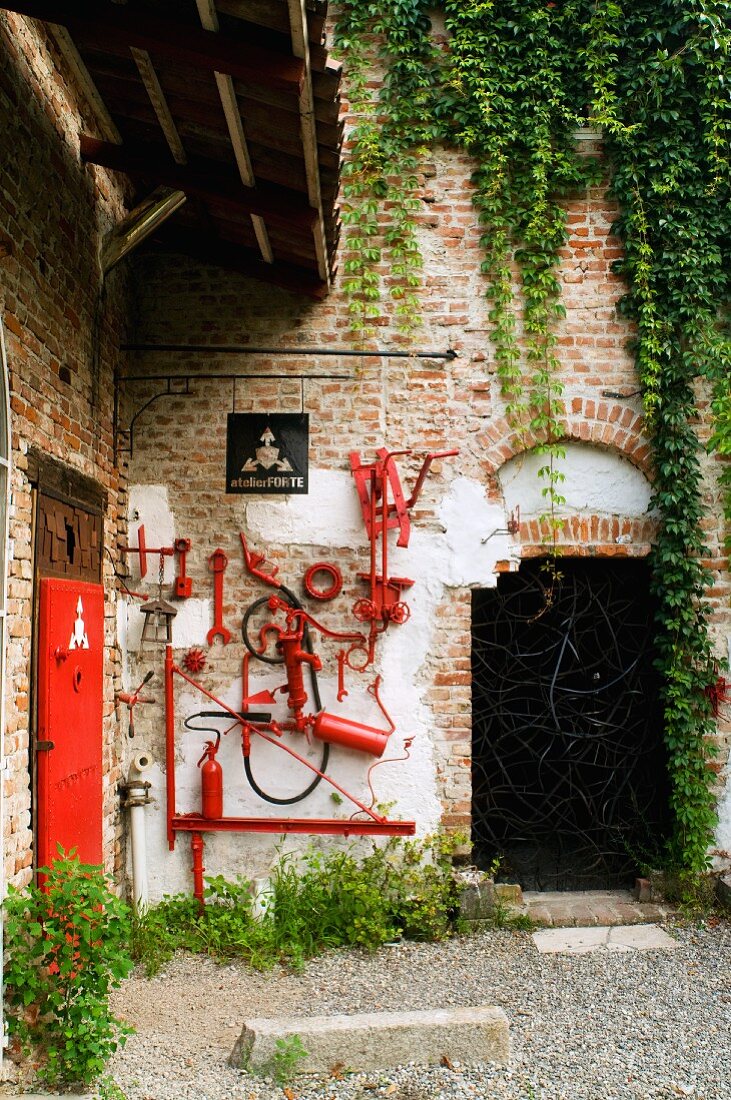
(378, 1040)
(580, 941)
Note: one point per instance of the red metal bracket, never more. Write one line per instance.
(372, 482)
(320, 826)
(183, 583)
(181, 547)
(143, 550)
(254, 559)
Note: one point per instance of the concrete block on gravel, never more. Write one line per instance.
(379, 1040)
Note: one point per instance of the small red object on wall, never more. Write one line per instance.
(719, 693)
(218, 562)
(332, 590)
(183, 583)
(194, 660)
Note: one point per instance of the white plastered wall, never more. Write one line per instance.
(460, 550)
(455, 552)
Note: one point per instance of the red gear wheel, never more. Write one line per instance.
(364, 610)
(399, 613)
(194, 660)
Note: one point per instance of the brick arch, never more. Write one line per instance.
(602, 423)
(611, 425)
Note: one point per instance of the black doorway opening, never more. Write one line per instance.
(569, 770)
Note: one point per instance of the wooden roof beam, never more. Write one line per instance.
(101, 23)
(308, 129)
(205, 179)
(159, 103)
(264, 13)
(73, 59)
(209, 18)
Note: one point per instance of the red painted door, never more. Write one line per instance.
(70, 711)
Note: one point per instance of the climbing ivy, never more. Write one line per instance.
(386, 144)
(667, 139)
(509, 86)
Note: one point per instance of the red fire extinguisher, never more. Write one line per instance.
(211, 782)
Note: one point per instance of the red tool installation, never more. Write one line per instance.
(277, 630)
(374, 482)
(328, 728)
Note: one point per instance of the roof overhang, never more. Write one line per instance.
(233, 102)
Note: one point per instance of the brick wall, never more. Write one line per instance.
(61, 332)
(422, 404)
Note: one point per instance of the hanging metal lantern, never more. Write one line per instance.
(158, 628)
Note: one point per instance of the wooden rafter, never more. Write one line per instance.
(274, 16)
(206, 179)
(209, 18)
(102, 23)
(159, 103)
(274, 115)
(308, 129)
(73, 59)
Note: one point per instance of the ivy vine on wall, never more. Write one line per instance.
(509, 85)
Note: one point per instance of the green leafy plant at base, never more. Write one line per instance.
(106, 1088)
(66, 949)
(693, 892)
(289, 1053)
(321, 899)
(504, 916)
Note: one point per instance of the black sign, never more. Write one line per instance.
(267, 453)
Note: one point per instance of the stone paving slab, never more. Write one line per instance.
(379, 1040)
(586, 908)
(580, 941)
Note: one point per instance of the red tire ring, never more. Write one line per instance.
(323, 593)
(357, 649)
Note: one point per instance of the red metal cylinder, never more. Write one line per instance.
(211, 783)
(353, 735)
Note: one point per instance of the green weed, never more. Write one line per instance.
(286, 1060)
(320, 900)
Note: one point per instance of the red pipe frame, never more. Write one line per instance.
(196, 824)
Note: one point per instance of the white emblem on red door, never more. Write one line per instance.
(79, 638)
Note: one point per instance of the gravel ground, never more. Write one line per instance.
(593, 1027)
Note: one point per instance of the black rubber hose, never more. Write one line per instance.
(294, 602)
(295, 797)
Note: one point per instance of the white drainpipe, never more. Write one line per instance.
(137, 791)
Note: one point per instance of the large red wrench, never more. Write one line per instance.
(217, 563)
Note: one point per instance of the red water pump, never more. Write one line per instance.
(325, 727)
